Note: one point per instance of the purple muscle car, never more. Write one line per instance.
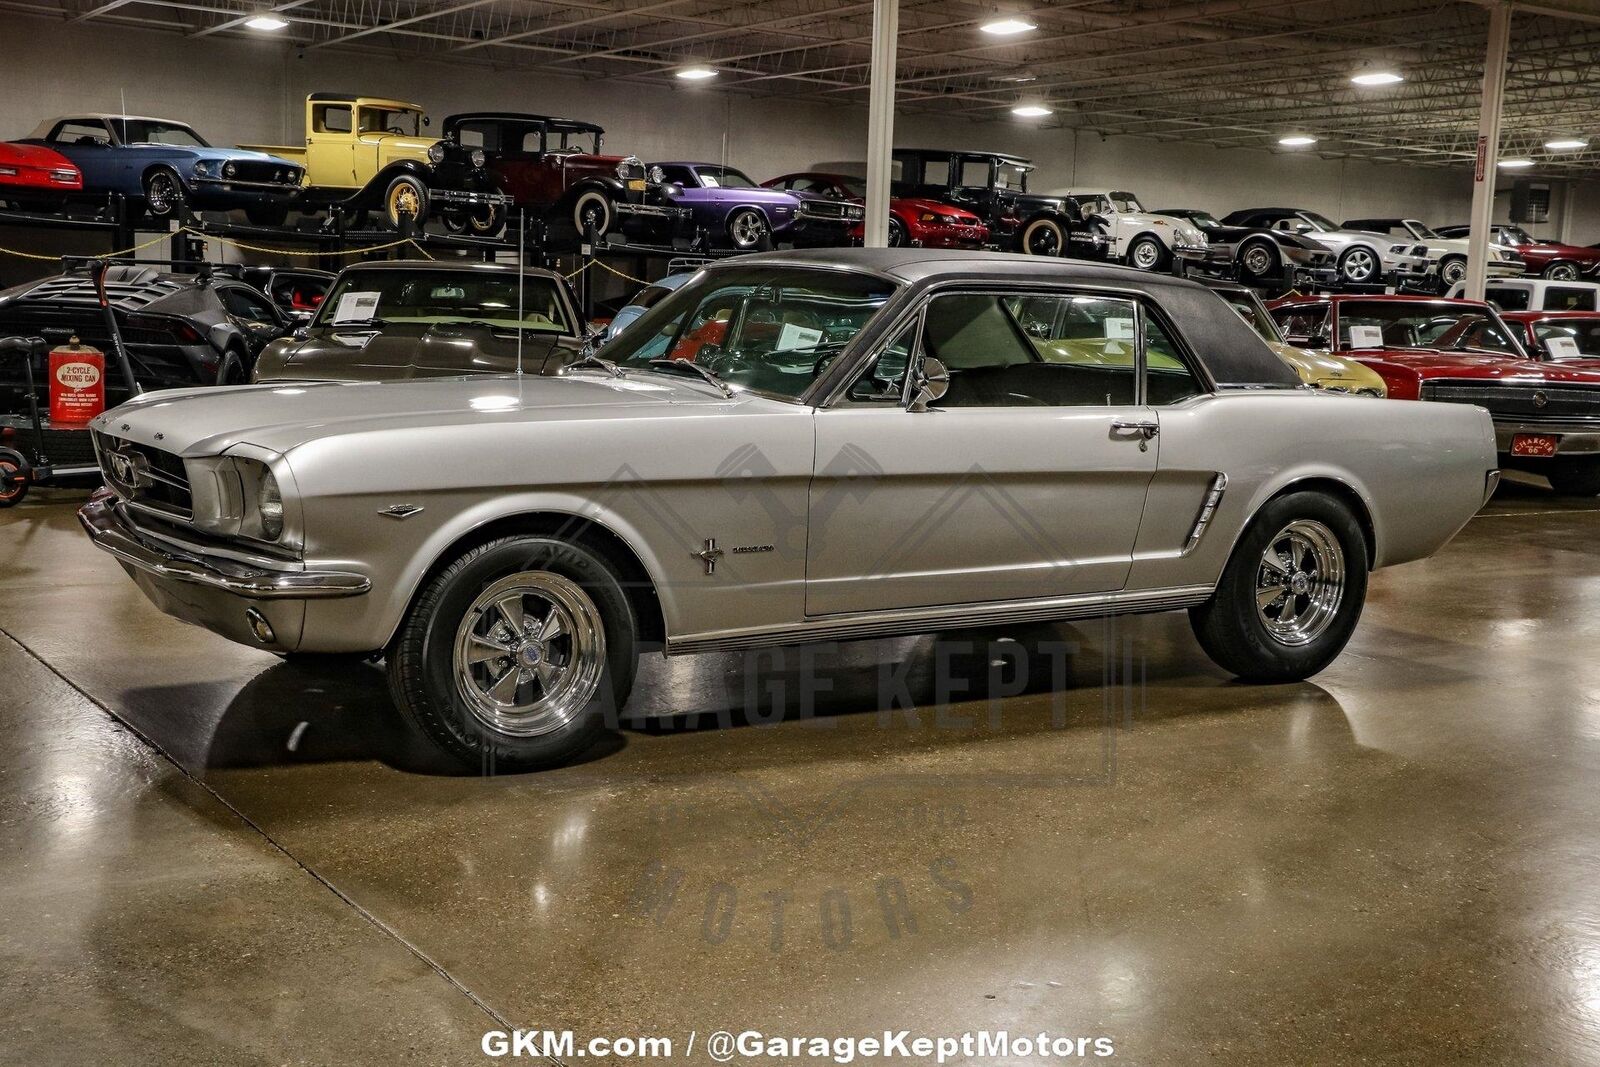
(735, 211)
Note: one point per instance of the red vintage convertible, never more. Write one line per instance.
(32, 176)
(913, 220)
(1546, 411)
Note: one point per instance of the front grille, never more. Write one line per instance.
(1520, 402)
(630, 169)
(145, 475)
(830, 209)
(255, 170)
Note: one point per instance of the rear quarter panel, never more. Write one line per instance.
(1418, 470)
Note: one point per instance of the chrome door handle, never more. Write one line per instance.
(1145, 428)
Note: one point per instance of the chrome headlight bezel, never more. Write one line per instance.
(207, 168)
(436, 152)
(228, 493)
(478, 158)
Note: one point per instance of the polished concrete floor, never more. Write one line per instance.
(213, 857)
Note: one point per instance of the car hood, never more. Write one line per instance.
(918, 203)
(207, 421)
(237, 155)
(1485, 366)
(1316, 366)
(418, 351)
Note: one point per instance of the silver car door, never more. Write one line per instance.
(1026, 480)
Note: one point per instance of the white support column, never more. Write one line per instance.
(880, 120)
(1483, 178)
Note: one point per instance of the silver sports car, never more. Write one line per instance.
(791, 447)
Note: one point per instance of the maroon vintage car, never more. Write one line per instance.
(552, 168)
(1546, 411)
(1546, 259)
(1572, 337)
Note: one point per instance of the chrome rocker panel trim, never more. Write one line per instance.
(111, 532)
(947, 616)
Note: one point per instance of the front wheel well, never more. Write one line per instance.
(631, 573)
(1345, 495)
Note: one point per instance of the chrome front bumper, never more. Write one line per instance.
(108, 527)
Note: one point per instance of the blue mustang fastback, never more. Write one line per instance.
(165, 164)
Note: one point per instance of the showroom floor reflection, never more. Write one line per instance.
(1391, 864)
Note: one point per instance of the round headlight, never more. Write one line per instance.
(478, 158)
(269, 507)
(436, 152)
(228, 170)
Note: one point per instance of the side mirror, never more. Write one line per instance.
(301, 333)
(933, 381)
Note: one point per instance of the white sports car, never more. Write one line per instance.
(1143, 239)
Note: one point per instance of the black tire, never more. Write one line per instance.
(1148, 253)
(15, 477)
(406, 197)
(163, 193)
(233, 369)
(1574, 477)
(422, 659)
(898, 238)
(1235, 632)
(1561, 271)
(593, 207)
(267, 214)
(1360, 265)
(1259, 260)
(748, 229)
(1043, 237)
(1452, 269)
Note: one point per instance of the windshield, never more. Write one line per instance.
(389, 297)
(1253, 312)
(1204, 220)
(1423, 324)
(724, 178)
(855, 187)
(571, 140)
(391, 120)
(1583, 335)
(1419, 231)
(1126, 202)
(146, 131)
(1516, 235)
(769, 329)
(1317, 222)
(1011, 176)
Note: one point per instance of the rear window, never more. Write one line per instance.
(1564, 298)
(1507, 299)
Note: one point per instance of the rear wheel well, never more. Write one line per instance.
(631, 573)
(1344, 494)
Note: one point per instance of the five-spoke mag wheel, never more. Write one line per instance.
(1300, 583)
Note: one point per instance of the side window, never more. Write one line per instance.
(975, 173)
(531, 142)
(937, 172)
(1564, 298)
(1303, 326)
(1167, 376)
(81, 133)
(1005, 350)
(1507, 298)
(884, 380)
(248, 305)
(331, 118)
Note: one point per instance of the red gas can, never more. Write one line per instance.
(77, 384)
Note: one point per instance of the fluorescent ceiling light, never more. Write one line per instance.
(696, 74)
(1031, 111)
(1516, 164)
(1007, 27)
(1566, 144)
(1297, 140)
(1377, 77)
(266, 22)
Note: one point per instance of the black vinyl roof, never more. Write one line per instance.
(517, 116)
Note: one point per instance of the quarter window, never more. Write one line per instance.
(1564, 298)
(1167, 376)
(81, 133)
(1507, 298)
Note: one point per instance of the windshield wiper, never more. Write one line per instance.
(684, 364)
(590, 359)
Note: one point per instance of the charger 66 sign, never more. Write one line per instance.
(77, 384)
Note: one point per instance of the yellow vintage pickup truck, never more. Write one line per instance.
(364, 153)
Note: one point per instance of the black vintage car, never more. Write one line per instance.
(994, 186)
(179, 329)
(401, 319)
(1264, 256)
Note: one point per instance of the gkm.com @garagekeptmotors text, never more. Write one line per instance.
(746, 1046)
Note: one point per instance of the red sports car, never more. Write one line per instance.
(34, 176)
(1546, 412)
(1546, 259)
(912, 220)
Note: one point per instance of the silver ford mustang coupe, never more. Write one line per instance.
(791, 447)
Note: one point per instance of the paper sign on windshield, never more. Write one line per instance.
(798, 337)
(356, 307)
(1563, 348)
(1366, 337)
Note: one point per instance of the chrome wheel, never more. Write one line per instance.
(747, 229)
(1562, 272)
(1257, 261)
(1453, 271)
(529, 654)
(1146, 254)
(1359, 265)
(1300, 583)
(162, 194)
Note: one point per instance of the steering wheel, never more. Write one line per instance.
(395, 129)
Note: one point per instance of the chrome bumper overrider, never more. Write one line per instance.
(110, 530)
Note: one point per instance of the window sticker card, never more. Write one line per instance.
(1119, 329)
(1563, 348)
(794, 336)
(1366, 337)
(356, 307)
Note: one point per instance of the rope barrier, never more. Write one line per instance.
(243, 246)
(102, 255)
(605, 267)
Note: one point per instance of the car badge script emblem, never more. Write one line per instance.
(400, 511)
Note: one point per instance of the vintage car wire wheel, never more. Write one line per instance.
(1358, 265)
(747, 228)
(406, 199)
(529, 654)
(163, 192)
(1146, 253)
(1562, 272)
(1258, 260)
(1044, 237)
(592, 208)
(1300, 583)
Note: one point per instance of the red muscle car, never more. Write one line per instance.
(35, 176)
(1546, 333)
(1546, 412)
(1546, 259)
(913, 220)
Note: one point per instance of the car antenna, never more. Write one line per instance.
(522, 267)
